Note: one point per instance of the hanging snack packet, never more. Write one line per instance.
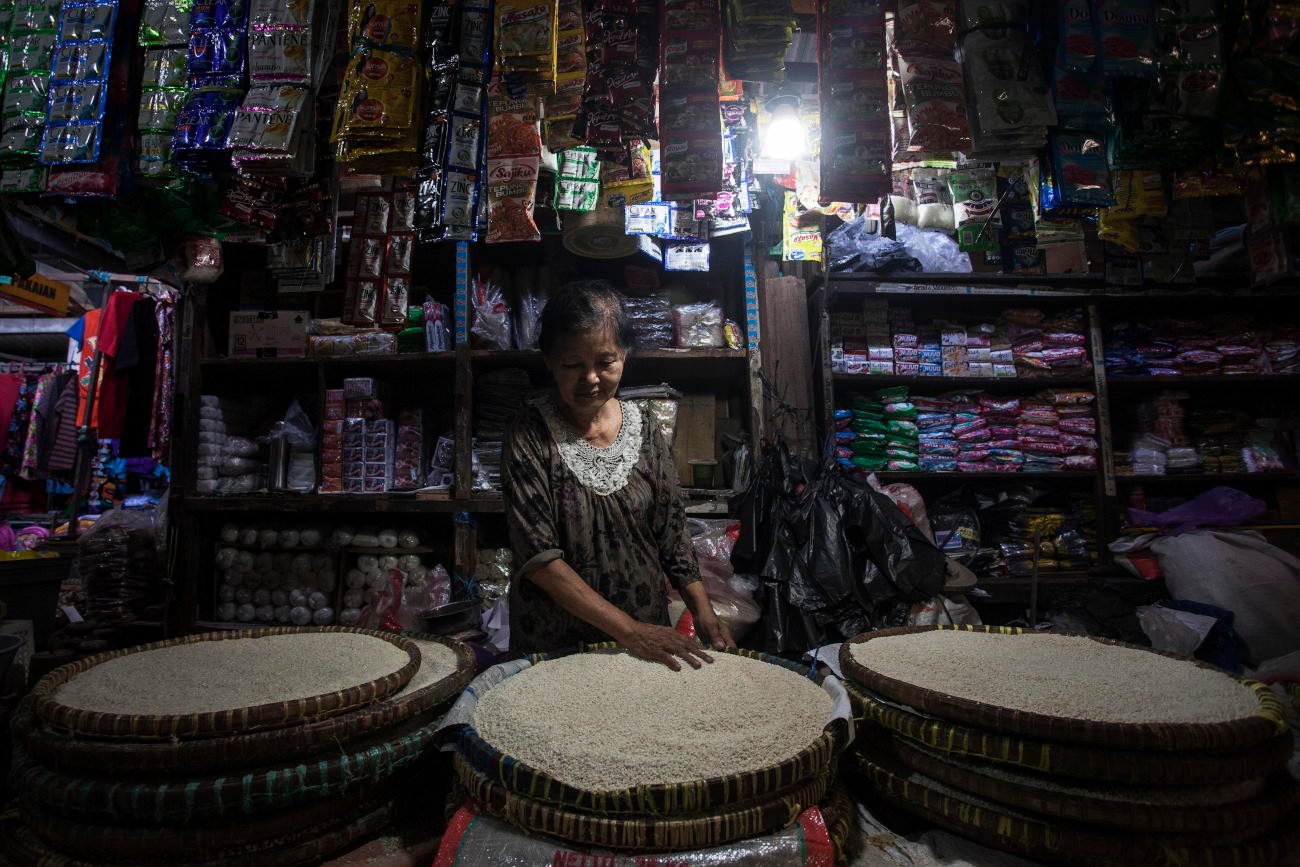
(526, 42)
(936, 104)
(577, 185)
(974, 200)
(511, 192)
(78, 84)
(856, 150)
(1128, 38)
(165, 22)
(1082, 170)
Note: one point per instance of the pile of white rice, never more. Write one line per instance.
(1059, 675)
(602, 722)
(233, 673)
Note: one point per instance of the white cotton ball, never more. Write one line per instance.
(408, 562)
(263, 563)
(226, 557)
(268, 539)
(367, 538)
(243, 596)
(226, 611)
(234, 579)
(297, 597)
(349, 616)
(248, 536)
(376, 581)
(355, 579)
(419, 573)
(282, 613)
(387, 563)
(226, 593)
(245, 613)
(322, 561)
(244, 560)
(261, 597)
(265, 613)
(229, 533)
(353, 599)
(387, 538)
(283, 562)
(323, 616)
(279, 597)
(254, 580)
(300, 615)
(310, 538)
(290, 538)
(408, 539)
(327, 581)
(317, 600)
(301, 564)
(342, 536)
(368, 563)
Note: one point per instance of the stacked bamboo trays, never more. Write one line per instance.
(278, 784)
(658, 818)
(1073, 791)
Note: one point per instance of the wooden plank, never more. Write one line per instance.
(696, 437)
(787, 360)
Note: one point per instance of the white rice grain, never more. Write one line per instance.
(1059, 675)
(233, 673)
(602, 722)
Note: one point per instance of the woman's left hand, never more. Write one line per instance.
(713, 632)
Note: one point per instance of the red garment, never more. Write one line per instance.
(85, 355)
(110, 400)
(9, 385)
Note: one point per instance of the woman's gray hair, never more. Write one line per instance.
(585, 306)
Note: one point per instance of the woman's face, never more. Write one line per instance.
(586, 367)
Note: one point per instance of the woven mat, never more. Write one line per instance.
(167, 727)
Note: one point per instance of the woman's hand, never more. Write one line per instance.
(662, 644)
(713, 631)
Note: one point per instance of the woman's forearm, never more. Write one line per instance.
(697, 599)
(575, 596)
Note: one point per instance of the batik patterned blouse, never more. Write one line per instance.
(612, 514)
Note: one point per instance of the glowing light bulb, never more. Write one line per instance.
(784, 135)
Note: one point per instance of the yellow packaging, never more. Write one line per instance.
(799, 243)
(526, 38)
(385, 22)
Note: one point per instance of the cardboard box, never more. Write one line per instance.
(268, 333)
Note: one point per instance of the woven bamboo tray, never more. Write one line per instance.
(1254, 815)
(1056, 842)
(1067, 760)
(149, 844)
(24, 848)
(57, 750)
(668, 799)
(176, 800)
(1266, 723)
(643, 834)
(275, 715)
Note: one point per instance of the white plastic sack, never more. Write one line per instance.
(1241, 572)
(477, 840)
(1172, 630)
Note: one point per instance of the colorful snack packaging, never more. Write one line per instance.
(1128, 39)
(1082, 169)
(78, 84)
(974, 204)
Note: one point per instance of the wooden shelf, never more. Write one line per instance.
(1201, 478)
(398, 361)
(921, 476)
(920, 384)
(520, 356)
(307, 503)
(383, 552)
(1283, 379)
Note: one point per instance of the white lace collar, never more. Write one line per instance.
(603, 470)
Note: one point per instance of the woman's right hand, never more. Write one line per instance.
(662, 644)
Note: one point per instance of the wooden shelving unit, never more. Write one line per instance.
(444, 381)
(965, 295)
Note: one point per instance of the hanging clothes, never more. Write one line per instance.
(86, 333)
(61, 433)
(10, 383)
(137, 361)
(160, 426)
(111, 397)
(42, 407)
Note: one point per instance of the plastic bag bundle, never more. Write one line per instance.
(229, 463)
(699, 326)
(119, 565)
(652, 322)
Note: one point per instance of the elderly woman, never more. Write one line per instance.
(591, 497)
